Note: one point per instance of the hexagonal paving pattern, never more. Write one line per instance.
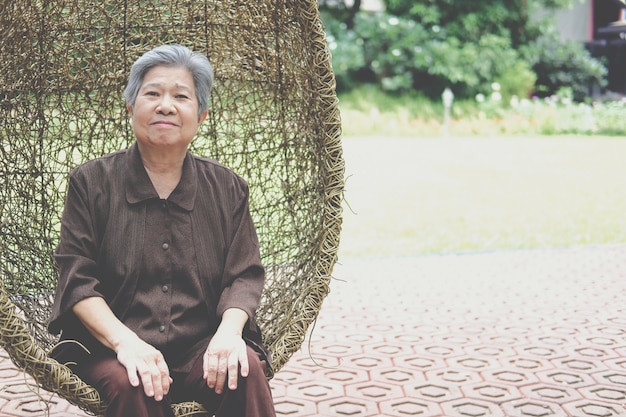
(514, 333)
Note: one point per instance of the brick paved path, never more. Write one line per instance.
(514, 333)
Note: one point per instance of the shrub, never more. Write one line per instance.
(369, 111)
(518, 80)
(401, 55)
(473, 67)
(559, 64)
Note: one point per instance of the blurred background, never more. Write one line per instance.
(482, 125)
(498, 59)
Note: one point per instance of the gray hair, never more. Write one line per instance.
(178, 56)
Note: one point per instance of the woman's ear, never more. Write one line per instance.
(203, 116)
(129, 108)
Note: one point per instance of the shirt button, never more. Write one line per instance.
(162, 328)
(165, 246)
(165, 288)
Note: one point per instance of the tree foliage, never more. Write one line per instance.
(465, 45)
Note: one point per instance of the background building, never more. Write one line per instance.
(601, 25)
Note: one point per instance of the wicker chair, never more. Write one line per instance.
(274, 119)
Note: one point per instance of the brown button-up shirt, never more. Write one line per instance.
(167, 268)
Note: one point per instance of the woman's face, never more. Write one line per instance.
(166, 109)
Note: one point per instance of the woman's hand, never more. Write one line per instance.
(145, 364)
(142, 361)
(227, 352)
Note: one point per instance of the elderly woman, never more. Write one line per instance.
(160, 272)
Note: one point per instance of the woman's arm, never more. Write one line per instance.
(141, 360)
(98, 318)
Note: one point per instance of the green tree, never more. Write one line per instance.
(465, 45)
(470, 20)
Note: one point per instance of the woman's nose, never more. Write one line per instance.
(166, 105)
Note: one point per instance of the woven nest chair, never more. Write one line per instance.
(274, 119)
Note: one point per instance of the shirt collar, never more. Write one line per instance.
(139, 187)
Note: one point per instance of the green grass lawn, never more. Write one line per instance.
(435, 195)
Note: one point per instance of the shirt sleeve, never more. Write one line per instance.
(244, 275)
(76, 254)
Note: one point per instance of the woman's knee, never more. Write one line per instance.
(122, 397)
(116, 385)
(257, 367)
(109, 377)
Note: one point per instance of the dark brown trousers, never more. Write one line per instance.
(252, 398)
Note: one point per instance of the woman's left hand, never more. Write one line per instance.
(226, 355)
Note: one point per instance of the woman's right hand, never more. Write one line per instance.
(144, 364)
